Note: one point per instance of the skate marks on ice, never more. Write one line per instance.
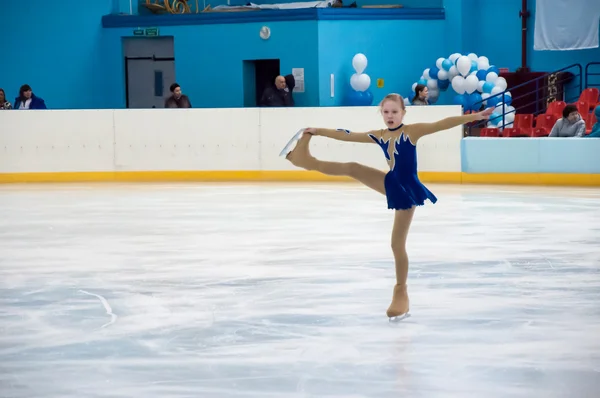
(222, 291)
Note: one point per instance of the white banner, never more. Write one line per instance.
(566, 25)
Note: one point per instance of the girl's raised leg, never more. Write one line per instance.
(301, 157)
(400, 301)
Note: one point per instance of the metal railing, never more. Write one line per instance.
(588, 74)
(539, 97)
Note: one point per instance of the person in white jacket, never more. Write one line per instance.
(570, 125)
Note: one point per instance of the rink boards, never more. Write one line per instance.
(244, 144)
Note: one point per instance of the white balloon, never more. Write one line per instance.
(433, 93)
(499, 106)
(432, 84)
(452, 72)
(458, 84)
(509, 117)
(426, 74)
(414, 86)
(496, 90)
(491, 77)
(354, 82)
(501, 82)
(407, 102)
(464, 65)
(471, 83)
(454, 57)
(359, 63)
(479, 86)
(442, 75)
(484, 97)
(483, 63)
(473, 57)
(439, 62)
(511, 109)
(364, 81)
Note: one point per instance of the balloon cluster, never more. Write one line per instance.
(360, 83)
(473, 80)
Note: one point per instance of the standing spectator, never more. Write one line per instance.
(28, 100)
(570, 125)
(421, 94)
(177, 99)
(4, 104)
(281, 93)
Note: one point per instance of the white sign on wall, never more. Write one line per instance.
(298, 74)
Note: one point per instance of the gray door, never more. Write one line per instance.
(150, 70)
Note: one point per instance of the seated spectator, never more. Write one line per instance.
(570, 125)
(595, 133)
(177, 99)
(4, 104)
(421, 93)
(28, 100)
(281, 93)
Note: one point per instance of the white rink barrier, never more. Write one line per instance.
(202, 144)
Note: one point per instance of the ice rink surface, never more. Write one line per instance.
(274, 290)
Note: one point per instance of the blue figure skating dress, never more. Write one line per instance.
(403, 188)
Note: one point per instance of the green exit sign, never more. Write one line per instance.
(152, 32)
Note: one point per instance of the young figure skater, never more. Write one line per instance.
(400, 185)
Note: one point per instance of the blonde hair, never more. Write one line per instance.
(392, 97)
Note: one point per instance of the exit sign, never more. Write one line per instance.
(151, 32)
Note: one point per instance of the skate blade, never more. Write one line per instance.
(289, 147)
(400, 317)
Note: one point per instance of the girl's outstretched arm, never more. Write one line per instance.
(345, 135)
(418, 130)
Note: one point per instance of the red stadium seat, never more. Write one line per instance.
(523, 125)
(543, 125)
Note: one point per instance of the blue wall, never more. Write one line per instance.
(530, 155)
(501, 42)
(72, 62)
(390, 55)
(59, 54)
(209, 59)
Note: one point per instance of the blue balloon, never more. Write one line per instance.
(481, 74)
(496, 118)
(459, 99)
(493, 69)
(493, 101)
(507, 99)
(473, 66)
(433, 72)
(369, 98)
(422, 81)
(443, 84)
(475, 101)
(360, 98)
(447, 64)
(488, 87)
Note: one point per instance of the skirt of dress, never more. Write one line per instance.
(404, 194)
